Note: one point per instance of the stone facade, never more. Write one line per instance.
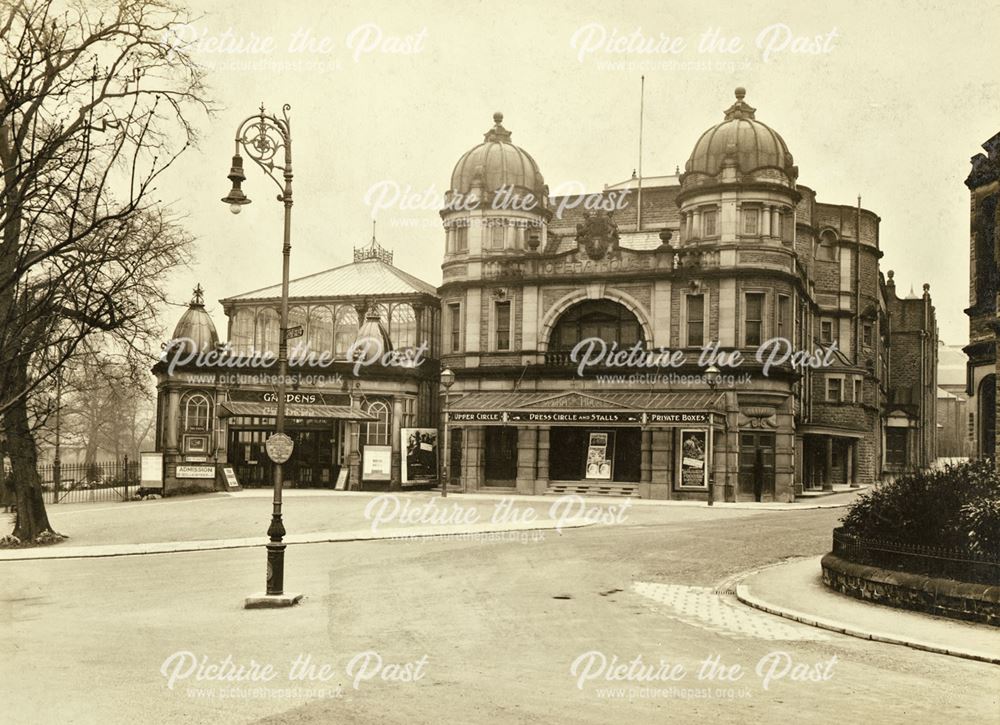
(984, 284)
(733, 251)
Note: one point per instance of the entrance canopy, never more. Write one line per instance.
(292, 410)
(675, 408)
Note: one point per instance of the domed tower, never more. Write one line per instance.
(195, 331)
(739, 183)
(497, 203)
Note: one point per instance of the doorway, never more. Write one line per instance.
(756, 476)
(501, 455)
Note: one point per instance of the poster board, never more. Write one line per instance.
(420, 455)
(230, 477)
(151, 470)
(599, 457)
(692, 459)
(377, 463)
(341, 484)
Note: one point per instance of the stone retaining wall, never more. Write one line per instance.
(944, 597)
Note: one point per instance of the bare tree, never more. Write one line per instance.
(96, 103)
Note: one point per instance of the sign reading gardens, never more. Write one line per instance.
(544, 416)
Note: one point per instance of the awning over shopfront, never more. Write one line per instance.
(674, 408)
(292, 410)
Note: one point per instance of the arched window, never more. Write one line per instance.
(346, 330)
(319, 332)
(827, 246)
(197, 412)
(607, 320)
(241, 339)
(403, 326)
(377, 431)
(266, 337)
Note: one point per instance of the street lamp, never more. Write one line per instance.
(266, 138)
(712, 375)
(447, 380)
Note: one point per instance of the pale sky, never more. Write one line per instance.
(896, 99)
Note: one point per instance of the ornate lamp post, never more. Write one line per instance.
(267, 139)
(712, 375)
(447, 380)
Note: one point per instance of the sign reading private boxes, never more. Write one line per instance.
(421, 460)
(151, 470)
(693, 468)
(377, 463)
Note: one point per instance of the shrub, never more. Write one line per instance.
(955, 508)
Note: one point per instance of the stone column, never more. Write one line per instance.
(173, 419)
(828, 478)
(542, 460)
(765, 221)
(660, 458)
(682, 233)
(645, 463)
(776, 222)
(696, 225)
(397, 467)
(472, 458)
(527, 452)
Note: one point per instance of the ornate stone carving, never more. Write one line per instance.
(597, 234)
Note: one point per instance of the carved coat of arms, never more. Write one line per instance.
(597, 234)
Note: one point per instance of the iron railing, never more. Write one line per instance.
(84, 482)
(960, 564)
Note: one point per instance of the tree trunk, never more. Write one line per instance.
(31, 519)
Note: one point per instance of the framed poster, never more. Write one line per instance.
(693, 459)
(599, 458)
(151, 470)
(420, 459)
(195, 443)
(377, 463)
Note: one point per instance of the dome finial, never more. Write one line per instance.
(198, 296)
(740, 109)
(498, 133)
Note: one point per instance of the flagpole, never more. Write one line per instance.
(638, 207)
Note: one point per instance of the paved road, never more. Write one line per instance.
(490, 630)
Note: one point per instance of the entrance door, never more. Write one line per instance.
(756, 477)
(455, 456)
(501, 455)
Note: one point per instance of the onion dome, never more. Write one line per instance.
(195, 332)
(742, 140)
(497, 163)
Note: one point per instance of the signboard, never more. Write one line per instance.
(151, 470)
(296, 397)
(377, 463)
(279, 447)
(293, 332)
(598, 460)
(195, 472)
(420, 458)
(692, 459)
(230, 475)
(341, 484)
(636, 417)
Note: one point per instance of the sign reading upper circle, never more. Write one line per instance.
(279, 447)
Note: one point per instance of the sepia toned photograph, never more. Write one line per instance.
(591, 362)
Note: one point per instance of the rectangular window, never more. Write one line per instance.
(834, 388)
(695, 320)
(503, 325)
(895, 446)
(826, 331)
(455, 314)
(710, 223)
(858, 392)
(784, 310)
(751, 221)
(866, 335)
(753, 319)
(496, 236)
(461, 238)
